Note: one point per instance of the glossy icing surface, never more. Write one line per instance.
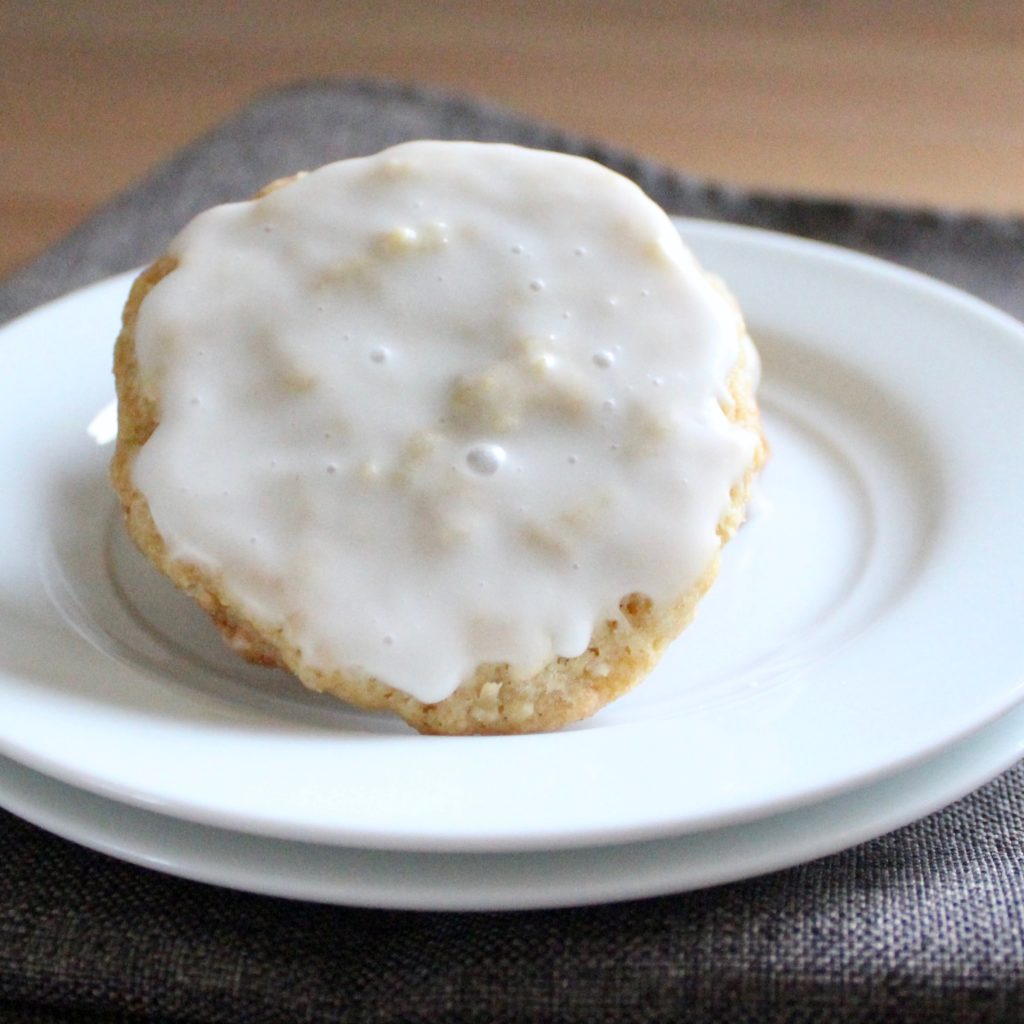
(441, 406)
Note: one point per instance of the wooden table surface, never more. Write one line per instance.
(911, 101)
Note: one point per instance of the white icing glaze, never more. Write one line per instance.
(440, 406)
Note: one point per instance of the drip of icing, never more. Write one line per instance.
(451, 520)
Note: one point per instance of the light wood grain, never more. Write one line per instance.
(918, 102)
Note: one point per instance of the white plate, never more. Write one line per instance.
(510, 881)
(866, 618)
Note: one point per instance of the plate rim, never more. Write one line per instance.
(807, 833)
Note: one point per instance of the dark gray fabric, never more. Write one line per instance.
(926, 924)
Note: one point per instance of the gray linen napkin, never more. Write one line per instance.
(926, 924)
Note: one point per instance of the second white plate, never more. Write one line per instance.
(510, 881)
(865, 619)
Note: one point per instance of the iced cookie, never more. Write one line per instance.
(455, 431)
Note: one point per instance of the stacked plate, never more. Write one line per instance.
(858, 664)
